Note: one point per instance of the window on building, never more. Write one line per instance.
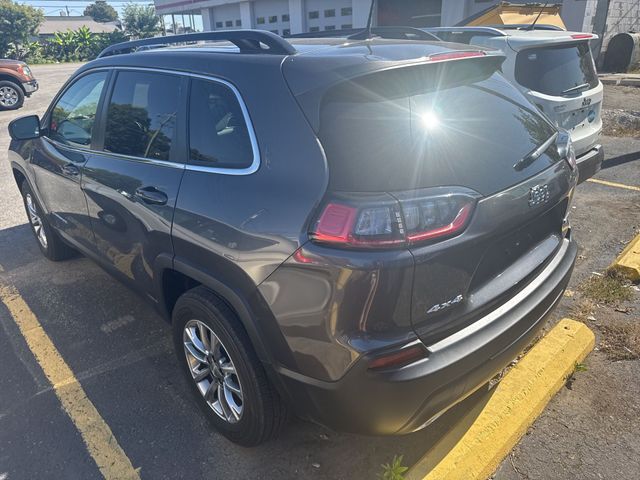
(286, 32)
(346, 26)
(238, 23)
(330, 13)
(260, 20)
(219, 24)
(285, 17)
(273, 19)
(346, 11)
(314, 29)
(73, 116)
(314, 14)
(330, 27)
(218, 134)
(229, 23)
(141, 116)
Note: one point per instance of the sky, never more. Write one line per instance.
(76, 7)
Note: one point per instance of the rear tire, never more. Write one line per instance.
(257, 413)
(11, 95)
(50, 243)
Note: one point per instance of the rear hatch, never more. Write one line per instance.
(563, 83)
(441, 141)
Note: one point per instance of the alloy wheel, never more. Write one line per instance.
(8, 96)
(36, 222)
(213, 371)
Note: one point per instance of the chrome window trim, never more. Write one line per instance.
(255, 164)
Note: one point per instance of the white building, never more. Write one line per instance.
(297, 16)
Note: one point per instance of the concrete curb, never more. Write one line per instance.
(474, 452)
(628, 262)
(622, 81)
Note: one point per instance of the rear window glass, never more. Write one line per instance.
(556, 70)
(469, 135)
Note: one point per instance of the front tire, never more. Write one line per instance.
(226, 376)
(11, 95)
(50, 243)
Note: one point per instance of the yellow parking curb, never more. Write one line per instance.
(628, 262)
(496, 426)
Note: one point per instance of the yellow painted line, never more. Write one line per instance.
(474, 448)
(628, 262)
(98, 437)
(614, 184)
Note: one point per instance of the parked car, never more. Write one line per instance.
(554, 69)
(361, 232)
(16, 82)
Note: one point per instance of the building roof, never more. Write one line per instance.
(52, 25)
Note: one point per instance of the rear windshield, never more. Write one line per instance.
(467, 135)
(556, 70)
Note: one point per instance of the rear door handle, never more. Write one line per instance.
(152, 195)
(70, 169)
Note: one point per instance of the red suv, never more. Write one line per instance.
(16, 82)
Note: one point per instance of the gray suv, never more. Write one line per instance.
(361, 232)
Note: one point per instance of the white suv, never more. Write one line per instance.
(554, 69)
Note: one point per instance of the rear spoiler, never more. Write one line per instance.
(448, 68)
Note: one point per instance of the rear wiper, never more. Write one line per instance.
(531, 157)
(577, 88)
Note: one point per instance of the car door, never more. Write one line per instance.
(59, 156)
(131, 184)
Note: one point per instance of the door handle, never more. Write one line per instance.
(151, 195)
(70, 169)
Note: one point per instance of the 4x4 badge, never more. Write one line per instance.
(538, 195)
(441, 306)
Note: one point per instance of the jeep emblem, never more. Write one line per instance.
(538, 195)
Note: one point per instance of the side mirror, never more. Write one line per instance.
(25, 128)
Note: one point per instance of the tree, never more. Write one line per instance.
(101, 11)
(141, 21)
(17, 24)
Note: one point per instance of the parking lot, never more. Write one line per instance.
(121, 352)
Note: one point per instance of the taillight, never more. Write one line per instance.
(566, 149)
(391, 221)
(440, 57)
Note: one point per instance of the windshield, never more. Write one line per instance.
(557, 70)
(467, 135)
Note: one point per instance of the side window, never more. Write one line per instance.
(218, 134)
(141, 115)
(73, 116)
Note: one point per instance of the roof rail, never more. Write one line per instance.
(402, 33)
(248, 41)
(489, 31)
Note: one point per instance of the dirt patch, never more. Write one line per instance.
(609, 289)
(621, 340)
(621, 123)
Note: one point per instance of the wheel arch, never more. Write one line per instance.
(10, 78)
(173, 277)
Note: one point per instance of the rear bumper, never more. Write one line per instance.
(30, 87)
(405, 399)
(589, 163)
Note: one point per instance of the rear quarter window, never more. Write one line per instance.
(218, 132)
(554, 70)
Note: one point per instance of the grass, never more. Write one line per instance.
(608, 289)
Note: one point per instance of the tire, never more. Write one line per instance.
(50, 243)
(11, 95)
(260, 414)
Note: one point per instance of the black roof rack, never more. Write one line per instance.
(248, 41)
(402, 33)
